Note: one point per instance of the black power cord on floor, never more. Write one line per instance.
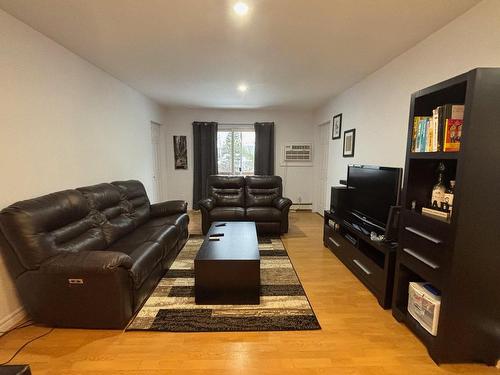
(24, 345)
(24, 324)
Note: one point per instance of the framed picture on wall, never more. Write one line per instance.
(349, 138)
(336, 126)
(180, 152)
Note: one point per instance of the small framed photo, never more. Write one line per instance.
(349, 138)
(336, 126)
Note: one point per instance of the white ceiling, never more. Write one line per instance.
(290, 53)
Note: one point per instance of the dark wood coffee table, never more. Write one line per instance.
(227, 272)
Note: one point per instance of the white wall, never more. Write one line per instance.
(289, 126)
(63, 123)
(378, 106)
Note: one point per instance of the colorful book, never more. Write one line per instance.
(416, 119)
(435, 130)
(444, 112)
(424, 123)
(452, 135)
(430, 134)
(416, 134)
(423, 134)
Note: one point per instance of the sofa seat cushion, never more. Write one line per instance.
(181, 221)
(227, 213)
(263, 214)
(165, 236)
(145, 257)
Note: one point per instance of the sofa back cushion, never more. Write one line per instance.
(39, 228)
(134, 192)
(227, 190)
(262, 190)
(112, 208)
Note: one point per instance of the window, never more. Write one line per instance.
(235, 151)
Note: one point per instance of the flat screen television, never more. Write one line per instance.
(372, 190)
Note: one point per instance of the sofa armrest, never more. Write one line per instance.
(282, 203)
(168, 208)
(207, 203)
(94, 262)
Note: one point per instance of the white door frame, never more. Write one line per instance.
(156, 147)
(322, 137)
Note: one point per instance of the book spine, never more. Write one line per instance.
(435, 120)
(426, 124)
(414, 134)
(424, 134)
(440, 127)
(417, 135)
(420, 135)
(429, 134)
(445, 146)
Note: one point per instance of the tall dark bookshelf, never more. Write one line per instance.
(460, 256)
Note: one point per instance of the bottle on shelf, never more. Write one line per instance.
(439, 190)
(448, 197)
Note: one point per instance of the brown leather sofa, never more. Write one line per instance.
(250, 198)
(89, 257)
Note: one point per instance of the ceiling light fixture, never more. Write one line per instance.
(240, 8)
(242, 87)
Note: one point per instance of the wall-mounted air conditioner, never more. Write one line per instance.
(297, 153)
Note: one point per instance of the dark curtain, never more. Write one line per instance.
(264, 148)
(205, 158)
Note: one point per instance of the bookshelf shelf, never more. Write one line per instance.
(459, 256)
(434, 155)
(436, 220)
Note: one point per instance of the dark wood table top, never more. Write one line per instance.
(238, 243)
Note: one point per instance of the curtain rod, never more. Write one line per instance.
(235, 123)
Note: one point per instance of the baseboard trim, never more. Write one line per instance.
(13, 319)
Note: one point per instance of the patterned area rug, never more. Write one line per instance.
(283, 303)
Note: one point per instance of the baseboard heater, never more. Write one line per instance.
(301, 207)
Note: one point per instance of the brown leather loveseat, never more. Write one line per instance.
(250, 198)
(89, 257)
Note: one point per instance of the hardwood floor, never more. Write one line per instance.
(357, 336)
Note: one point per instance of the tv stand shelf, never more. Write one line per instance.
(371, 262)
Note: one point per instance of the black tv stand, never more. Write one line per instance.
(370, 261)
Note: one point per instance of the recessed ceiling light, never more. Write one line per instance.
(242, 87)
(240, 8)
